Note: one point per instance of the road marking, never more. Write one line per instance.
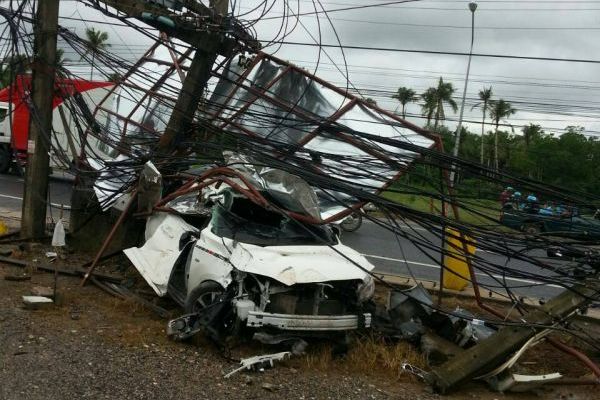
(483, 275)
(487, 251)
(55, 205)
(11, 197)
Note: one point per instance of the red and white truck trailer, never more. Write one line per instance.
(15, 117)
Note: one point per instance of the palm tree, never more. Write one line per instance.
(443, 94)
(370, 101)
(530, 132)
(114, 77)
(499, 110)
(405, 95)
(434, 98)
(96, 42)
(485, 95)
(60, 61)
(12, 66)
(429, 104)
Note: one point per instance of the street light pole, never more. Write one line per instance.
(472, 8)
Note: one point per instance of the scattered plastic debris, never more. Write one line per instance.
(259, 363)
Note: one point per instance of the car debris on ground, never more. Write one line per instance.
(259, 363)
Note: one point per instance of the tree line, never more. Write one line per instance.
(570, 160)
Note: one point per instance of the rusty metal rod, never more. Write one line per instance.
(577, 354)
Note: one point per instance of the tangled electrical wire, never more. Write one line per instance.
(278, 116)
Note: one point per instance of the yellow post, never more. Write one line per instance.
(457, 275)
(3, 228)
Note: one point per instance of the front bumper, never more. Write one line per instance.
(292, 322)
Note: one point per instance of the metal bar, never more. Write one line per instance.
(333, 117)
(295, 322)
(256, 97)
(109, 237)
(72, 271)
(241, 78)
(328, 85)
(111, 91)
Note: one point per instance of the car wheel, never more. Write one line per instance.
(352, 222)
(202, 296)
(532, 229)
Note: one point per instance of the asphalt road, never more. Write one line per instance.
(11, 195)
(389, 254)
(399, 256)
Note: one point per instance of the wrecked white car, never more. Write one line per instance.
(247, 268)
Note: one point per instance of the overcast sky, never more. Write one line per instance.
(551, 93)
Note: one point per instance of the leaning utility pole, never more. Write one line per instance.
(192, 88)
(210, 32)
(208, 44)
(33, 217)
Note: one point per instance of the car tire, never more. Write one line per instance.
(532, 229)
(202, 296)
(352, 222)
(5, 160)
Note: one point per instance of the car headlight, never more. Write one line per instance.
(366, 289)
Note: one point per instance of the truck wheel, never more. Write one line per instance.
(532, 229)
(5, 160)
(202, 296)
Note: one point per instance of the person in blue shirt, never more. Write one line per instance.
(548, 209)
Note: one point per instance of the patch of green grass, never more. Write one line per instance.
(487, 208)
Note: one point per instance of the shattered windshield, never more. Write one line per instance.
(242, 220)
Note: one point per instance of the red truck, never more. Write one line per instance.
(14, 117)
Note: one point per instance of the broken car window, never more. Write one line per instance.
(249, 223)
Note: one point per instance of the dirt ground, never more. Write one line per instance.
(92, 345)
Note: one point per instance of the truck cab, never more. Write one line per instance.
(14, 128)
(5, 153)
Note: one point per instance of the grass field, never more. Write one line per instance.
(487, 208)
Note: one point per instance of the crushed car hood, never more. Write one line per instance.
(287, 264)
(300, 264)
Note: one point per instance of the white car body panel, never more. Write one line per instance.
(156, 258)
(205, 266)
(213, 258)
(300, 264)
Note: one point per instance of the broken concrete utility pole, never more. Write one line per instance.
(193, 88)
(33, 217)
(207, 44)
(491, 352)
(209, 32)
